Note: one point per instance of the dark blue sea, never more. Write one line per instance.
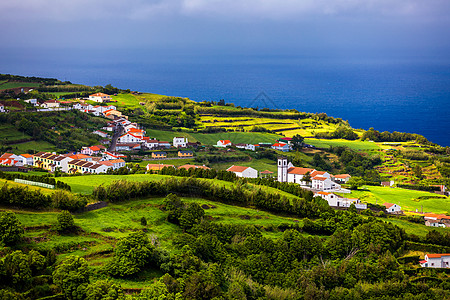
(408, 95)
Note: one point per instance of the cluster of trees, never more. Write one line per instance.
(359, 165)
(18, 196)
(199, 173)
(385, 136)
(341, 132)
(213, 158)
(36, 178)
(69, 130)
(45, 81)
(228, 261)
(414, 155)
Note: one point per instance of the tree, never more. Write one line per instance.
(297, 142)
(11, 229)
(72, 276)
(65, 221)
(355, 182)
(192, 215)
(17, 269)
(131, 254)
(417, 170)
(143, 221)
(104, 290)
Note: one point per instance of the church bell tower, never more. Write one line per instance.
(282, 169)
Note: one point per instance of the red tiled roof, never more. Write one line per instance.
(342, 176)
(266, 172)
(437, 255)
(323, 193)
(299, 171)
(225, 141)
(279, 145)
(99, 95)
(388, 205)
(320, 178)
(237, 169)
(315, 173)
(422, 261)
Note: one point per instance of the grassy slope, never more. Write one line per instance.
(404, 198)
(355, 145)
(12, 85)
(212, 138)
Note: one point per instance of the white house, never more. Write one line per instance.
(101, 133)
(112, 155)
(223, 143)
(392, 208)
(10, 159)
(115, 163)
(341, 178)
(324, 184)
(26, 159)
(101, 109)
(83, 107)
(32, 101)
(250, 147)
(129, 138)
(62, 162)
(296, 175)
(281, 147)
(151, 144)
(100, 97)
(2, 108)
(338, 201)
(246, 172)
(50, 104)
(436, 261)
(180, 142)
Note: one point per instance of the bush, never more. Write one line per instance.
(65, 221)
(11, 229)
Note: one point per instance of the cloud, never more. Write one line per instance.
(280, 10)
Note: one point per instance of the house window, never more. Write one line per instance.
(432, 264)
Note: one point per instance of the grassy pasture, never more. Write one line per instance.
(355, 145)
(10, 133)
(12, 85)
(30, 187)
(212, 138)
(85, 184)
(407, 199)
(34, 146)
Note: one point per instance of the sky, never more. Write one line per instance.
(277, 27)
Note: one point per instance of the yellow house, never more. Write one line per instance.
(159, 154)
(185, 154)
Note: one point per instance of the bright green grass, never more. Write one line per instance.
(258, 164)
(35, 146)
(414, 228)
(85, 184)
(12, 85)
(212, 138)
(355, 145)
(126, 100)
(404, 198)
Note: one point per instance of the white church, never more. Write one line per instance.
(320, 180)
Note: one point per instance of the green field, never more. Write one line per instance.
(10, 133)
(12, 85)
(407, 199)
(258, 164)
(212, 138)
(33, 146)
(86, 184)
(355, 145)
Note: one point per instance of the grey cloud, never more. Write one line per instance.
(57, 10)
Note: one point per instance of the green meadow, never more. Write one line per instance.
(355, 145)
(407, 199)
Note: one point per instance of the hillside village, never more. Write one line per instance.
(121, 135)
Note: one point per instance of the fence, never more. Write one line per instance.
(44, 185)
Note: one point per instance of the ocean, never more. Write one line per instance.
(407, 95)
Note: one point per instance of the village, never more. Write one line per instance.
(122, 135)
